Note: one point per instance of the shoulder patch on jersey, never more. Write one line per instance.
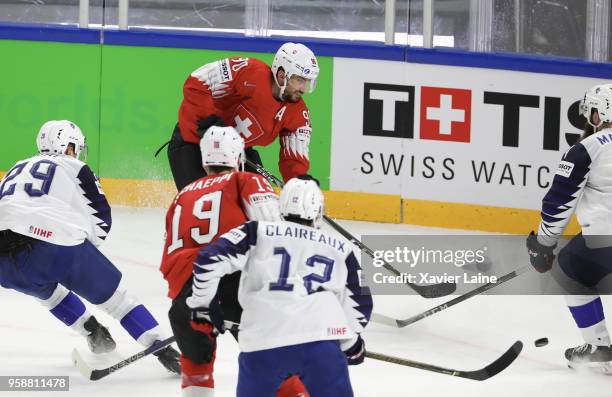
(234, 236)
(565, 169)
(259, 197)
(225, 70)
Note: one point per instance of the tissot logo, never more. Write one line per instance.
(445, 114)
(388, 110)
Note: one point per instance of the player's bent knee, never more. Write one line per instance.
(119, 304)
(58, 294)
(195, 346)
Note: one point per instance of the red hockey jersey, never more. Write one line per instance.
(239, 90)
(206, 209)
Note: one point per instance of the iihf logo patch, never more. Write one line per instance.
(40, 232)
(295, 200)
(336, 331)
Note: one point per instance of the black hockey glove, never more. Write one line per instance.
(356, 353)
(211, 315)
(308, 177)
(540, 256)
(205, 124)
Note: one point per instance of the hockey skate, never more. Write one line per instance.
(598, 358)
(99, 339)
(169, 358)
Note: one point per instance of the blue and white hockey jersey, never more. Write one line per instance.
(57, 199)
(299, 284)
(582, 183)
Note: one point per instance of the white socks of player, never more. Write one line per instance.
(198, 391)
(133, 316)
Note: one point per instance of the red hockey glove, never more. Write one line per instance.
(208, 316)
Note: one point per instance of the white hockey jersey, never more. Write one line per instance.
(299, 284)
(582, 183)
(57, 199)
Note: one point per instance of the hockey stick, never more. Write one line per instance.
(382, 319)
(482, 374)
(96, 374)
(426, 291)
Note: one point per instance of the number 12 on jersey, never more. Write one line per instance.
(283, 285)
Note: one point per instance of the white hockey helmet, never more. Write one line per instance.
(55, 136)
(296, 59)
(222, 146)
(600, 99)
(302, 199)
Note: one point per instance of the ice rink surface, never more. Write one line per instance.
(467, 336)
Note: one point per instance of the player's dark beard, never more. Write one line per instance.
(294, 97)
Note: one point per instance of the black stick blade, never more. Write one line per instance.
(496, 366)
(434, 290)
(482, 374)
(98, 374)
(426, 291)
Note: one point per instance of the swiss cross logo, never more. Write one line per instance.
(216, 145)
(247, 125)
(445, 114)
(242, 126)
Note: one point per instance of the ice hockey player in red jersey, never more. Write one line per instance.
(260, 101)
(200, 212)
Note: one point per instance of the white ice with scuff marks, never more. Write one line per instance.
(467, 336)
